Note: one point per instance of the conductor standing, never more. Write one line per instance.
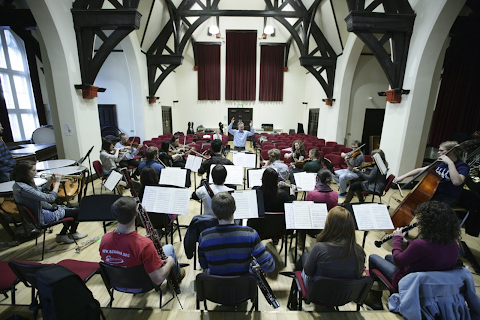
(240, 136)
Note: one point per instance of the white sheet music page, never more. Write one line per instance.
(289, 216)
(234, 174)
(112, 180)
(318, 215)
(245, 160)
(305, 181)
(255, 177)
(238, 159)
(303, 219)
(372, 216)
(166, 200)
(246, 204)
(193, 163)
(173, 177)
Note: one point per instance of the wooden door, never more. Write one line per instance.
(313, 115)
(167, 119)
(372, 127)
(107, 114)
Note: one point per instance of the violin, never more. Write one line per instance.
(301, 163)
(366, 165)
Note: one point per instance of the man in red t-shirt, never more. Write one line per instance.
(124, 247)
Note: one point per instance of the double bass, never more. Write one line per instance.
(423, 191)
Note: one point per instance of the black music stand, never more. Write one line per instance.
(82, 159)
(98, 208)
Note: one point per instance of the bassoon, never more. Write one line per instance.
(263, 284)
(151, 232)
(205, 184)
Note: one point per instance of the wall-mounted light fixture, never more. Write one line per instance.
(328, 102)
(215, 28)
(152, 99)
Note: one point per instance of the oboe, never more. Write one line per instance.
(151, 232)
(379, 243)
(263, 284)
(204, 182)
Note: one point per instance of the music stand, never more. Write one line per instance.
(82, 159)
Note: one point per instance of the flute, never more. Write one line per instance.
(379, 243)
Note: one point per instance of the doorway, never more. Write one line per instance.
(167, 119)
(107, 114)
(244, 114)
(313, 115)
(372, 129)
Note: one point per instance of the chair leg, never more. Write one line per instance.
(160, 299)
(13, 294)
(198, 304)
(178, 229)
(111, 298)
(43, 247)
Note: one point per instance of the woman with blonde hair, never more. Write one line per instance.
(374, 180)
(336, 253)
(298, 151)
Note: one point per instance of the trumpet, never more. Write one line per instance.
(66, 177)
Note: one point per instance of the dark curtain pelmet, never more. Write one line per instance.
(271, 73)
(240, 79)
(208, 59)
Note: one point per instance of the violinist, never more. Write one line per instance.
(315, 161)
(152, 160)
(109, 157)
(130, 151)
(216, 158)
(298, 152)
(164, 154)
(451, 169)
(353, 159)
(374, 180)
(177, 152)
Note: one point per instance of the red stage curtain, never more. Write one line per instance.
(457, 109)
(271, 73)
(208, 60)
(241, 65)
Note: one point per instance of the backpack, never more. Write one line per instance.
(63, 295)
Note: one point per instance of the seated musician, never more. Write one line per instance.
(152, 160)
(435, 248)
(298, 152)
(312, 166)
(216, 158)
(274, 198)
(275, 163)
(353, 159)
(219, 174)
(178, 152)
(374, 180)
(164, 154)
(124, 247)
(323, 193)
(226, 249)
(336, 253)
(452, 172)
(129, 153)
(109, 158)
(6, 160)
(37, 201)
(240, 136)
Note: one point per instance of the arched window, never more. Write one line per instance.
(17, 86)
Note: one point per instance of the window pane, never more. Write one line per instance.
(21, 89)
(14, 52)
(3, 63)
(7, 90)
(17, 136)
(30, 123)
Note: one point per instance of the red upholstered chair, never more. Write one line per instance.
(28, 216)
(8, 280)
(330, 291)
(98, 167)
(380, 195)
(331, 144)
(337, 161)
(337, 147)
(345, 149)
(322, 141)
(367, 158)
(336, 152)
(282, 155)
(206, 146)
(135, 139)
(264, 155)
(327, 150)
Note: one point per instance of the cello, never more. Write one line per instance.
(423, 191)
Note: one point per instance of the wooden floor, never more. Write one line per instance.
(280, 284)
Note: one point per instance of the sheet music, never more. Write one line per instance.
(303, 219)
(318, 215)
(379, 162)
(246, 160)
(193, 163)
(246, 204)
(234, 174)
(173, 177)
(112, 180)
(372, 217)
(166, 200)
(305, 215)
(289, 216)
(255, 177)
(305, 181)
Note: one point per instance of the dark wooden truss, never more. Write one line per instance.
(322, 58)
(395, 24)
(90, 21)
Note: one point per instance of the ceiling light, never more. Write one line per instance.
(213, 29)
(268, 30)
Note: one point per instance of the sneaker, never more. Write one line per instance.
(77, 235)
(63, 238)
(342, 195)
(181, 275)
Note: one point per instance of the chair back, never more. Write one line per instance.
(98, 167)
(338, 292)
(226, 290)
(367, 158)
(25, 271)
(28, 215)
(130, 280)
(335, 159)
(389, 183)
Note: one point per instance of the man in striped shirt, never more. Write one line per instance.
(227, 249)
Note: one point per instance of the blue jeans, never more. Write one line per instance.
(344, 175)
(169, 251)
(386, 266)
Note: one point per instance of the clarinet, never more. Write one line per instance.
(151, 232)
(204, 182)
(263, 284)
(379, 243)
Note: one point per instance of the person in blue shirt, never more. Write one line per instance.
(240, 136)
(152, 160)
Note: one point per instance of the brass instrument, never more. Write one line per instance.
(66, 177)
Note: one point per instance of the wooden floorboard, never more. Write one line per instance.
(54, 252)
